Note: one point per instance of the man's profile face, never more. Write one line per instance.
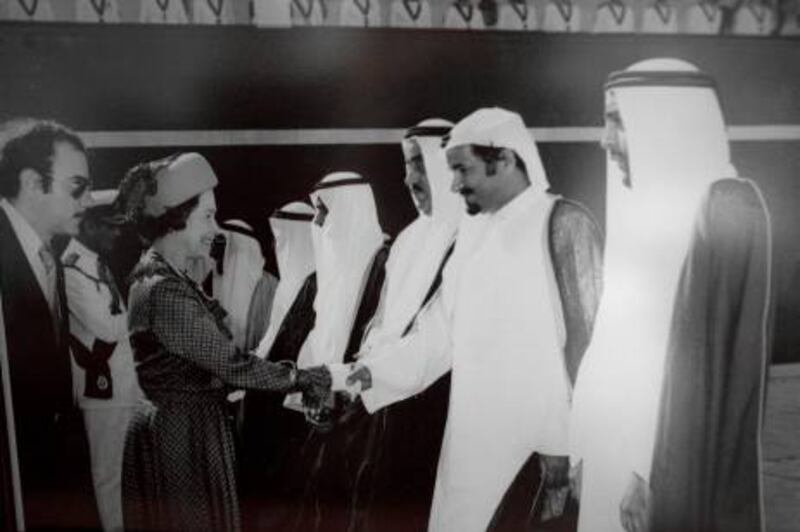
(470, 179)
(62, 207)
(614, 140)
(416, 179)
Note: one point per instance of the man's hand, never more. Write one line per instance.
(361, 375)
(634, 510)
(555, 470)
(315, 384)
(339, 374)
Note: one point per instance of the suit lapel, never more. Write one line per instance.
(16, 273)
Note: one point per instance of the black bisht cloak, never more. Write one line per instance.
(706, 471)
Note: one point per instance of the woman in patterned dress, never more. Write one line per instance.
(179, 456)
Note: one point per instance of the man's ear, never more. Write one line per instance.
(507, 160)
(30, 181)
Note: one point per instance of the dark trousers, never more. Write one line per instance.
(55, 472)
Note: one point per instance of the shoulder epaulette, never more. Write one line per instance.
(70, 263)
(70, 260)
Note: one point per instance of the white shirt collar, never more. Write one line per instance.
(28, 237)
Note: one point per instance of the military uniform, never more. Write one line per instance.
(103, 374)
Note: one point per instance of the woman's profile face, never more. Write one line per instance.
(201, 226)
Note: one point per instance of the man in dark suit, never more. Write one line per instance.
(44, 189)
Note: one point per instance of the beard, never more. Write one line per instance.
(421, 200)
(472, 207)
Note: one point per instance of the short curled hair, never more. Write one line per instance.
(140, 182)
(30, 143)
(491, 154)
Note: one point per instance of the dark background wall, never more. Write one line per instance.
(140, 78)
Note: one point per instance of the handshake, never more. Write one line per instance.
(330, 392)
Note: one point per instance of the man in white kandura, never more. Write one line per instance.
(667, 406)
(497, 323)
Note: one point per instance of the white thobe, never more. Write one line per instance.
(497, 325)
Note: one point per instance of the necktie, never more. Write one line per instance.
(104, 273)
(51, 291)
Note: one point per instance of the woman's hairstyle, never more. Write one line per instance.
(140, 182)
